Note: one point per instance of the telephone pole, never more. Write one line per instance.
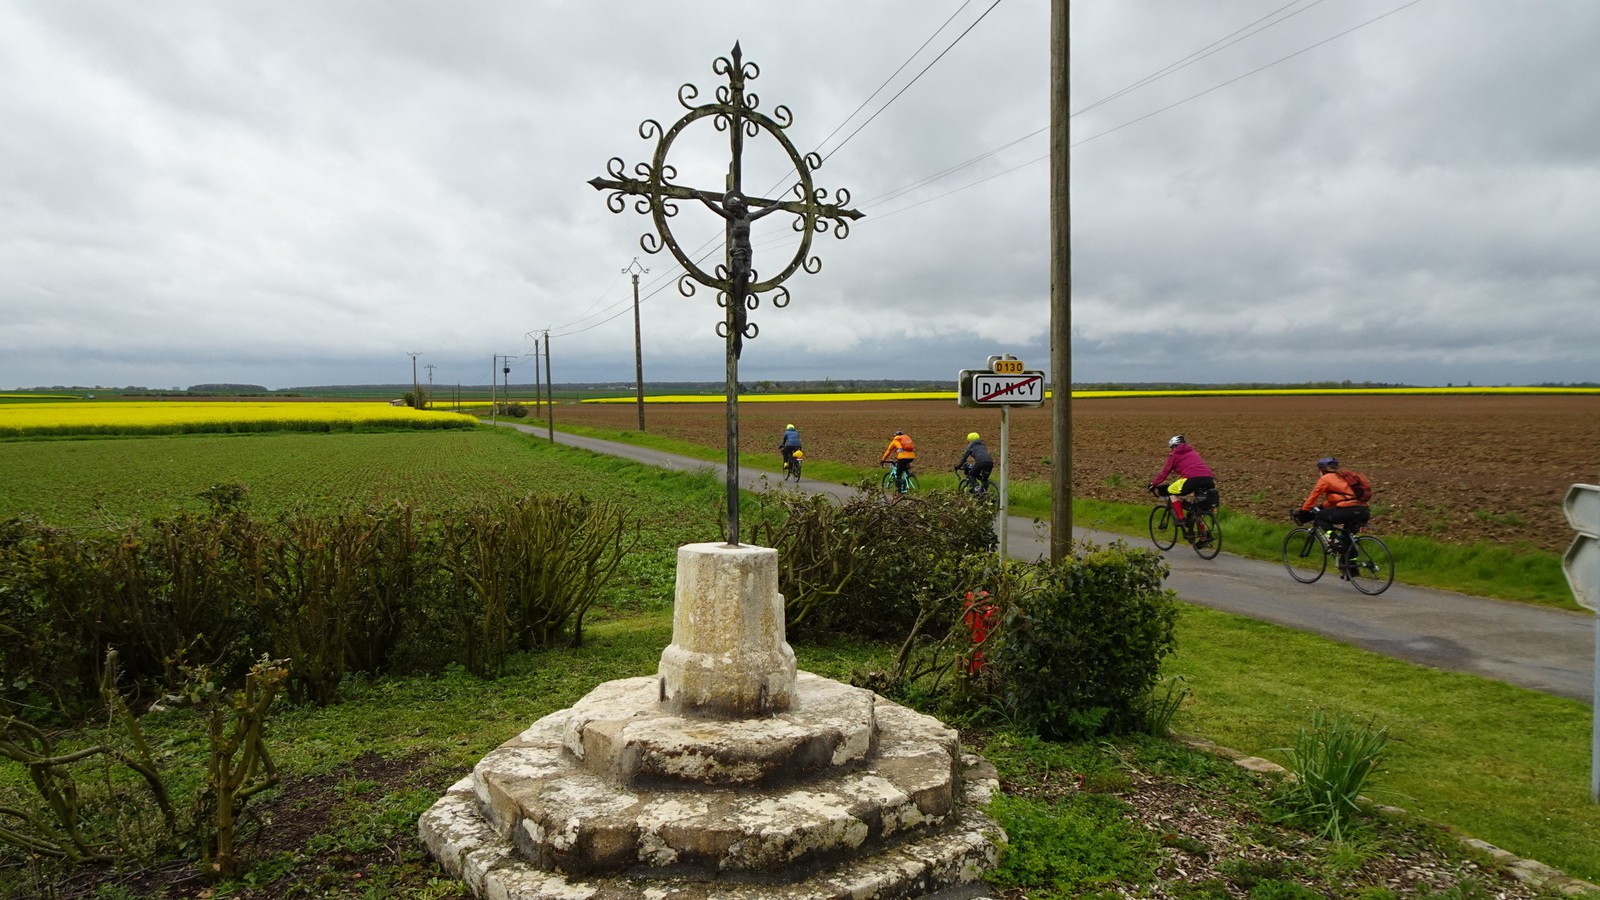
(1060, 287)
(415, 404)
(430, 367)
(505, 372)
(550, 385)
(636, 270)
(538, 392)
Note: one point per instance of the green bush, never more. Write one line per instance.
(357, 591)
(1080, 644)
(868, 567)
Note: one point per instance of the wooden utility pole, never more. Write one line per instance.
(416, 402)
(638, 349)
(430, 367)
(1060, 287)
(538, 389)
(550, 386)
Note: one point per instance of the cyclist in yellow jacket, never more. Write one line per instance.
(901, 451)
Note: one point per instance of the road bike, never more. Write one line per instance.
(895, 480)
(1362, 559)
(792, 466)
(1198, 524)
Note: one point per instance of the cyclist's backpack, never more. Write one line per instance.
(1360, 485)
(906, 446)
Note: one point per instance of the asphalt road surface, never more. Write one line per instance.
(1535, 647)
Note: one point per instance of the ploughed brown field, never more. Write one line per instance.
(1459, 468)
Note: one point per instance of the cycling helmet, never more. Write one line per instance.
(973, 436)
(899, 433)
(1328, 462)
(1175, 440)
(788, 428)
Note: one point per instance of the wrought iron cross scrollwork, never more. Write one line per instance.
(736, 280)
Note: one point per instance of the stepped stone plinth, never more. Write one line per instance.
(834, 792)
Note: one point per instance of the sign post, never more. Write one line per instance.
(1006, 383)
(1582, 565)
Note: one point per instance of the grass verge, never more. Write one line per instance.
(1518, 573)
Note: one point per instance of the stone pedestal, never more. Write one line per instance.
(728, 775)
(728, 656)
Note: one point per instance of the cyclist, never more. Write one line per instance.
(788, 444)
(901, 451)
(1339, 505)
(1193, 475)
(980, 466)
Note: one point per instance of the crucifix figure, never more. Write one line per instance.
(736, 210)
(737, 283)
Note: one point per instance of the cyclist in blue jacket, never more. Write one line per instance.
(977, 463)
(789, 444)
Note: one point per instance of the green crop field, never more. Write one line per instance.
(85, 482)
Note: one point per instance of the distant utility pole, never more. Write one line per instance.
(1060, 287)
(550, 385)
(538, 392)
(505, 371)
(414, 397)
(430, 368)
(636, 270)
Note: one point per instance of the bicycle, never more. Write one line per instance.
(967, 484)
(1199, 526)
(893, 480)
(792, 466)
(1368, 565)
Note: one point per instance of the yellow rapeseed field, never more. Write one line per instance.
(1092, 395)
(175, 417)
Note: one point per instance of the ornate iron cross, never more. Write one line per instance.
(736, 280)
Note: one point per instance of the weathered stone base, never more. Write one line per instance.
(845, 795)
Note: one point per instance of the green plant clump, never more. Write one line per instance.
(1081, 643)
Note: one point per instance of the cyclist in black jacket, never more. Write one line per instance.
(980, 466)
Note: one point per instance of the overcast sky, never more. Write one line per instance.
(303, 193)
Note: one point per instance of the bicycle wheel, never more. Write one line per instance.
(1207, 538)
(794, 469)
(1163, 527)
(911, 483)
(1303, 555)
(1371, 567)
(891, 483)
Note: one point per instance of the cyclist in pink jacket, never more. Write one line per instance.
(1193, 475)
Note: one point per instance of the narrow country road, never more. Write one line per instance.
(1548, 650)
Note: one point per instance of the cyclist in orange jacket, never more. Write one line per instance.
(901, 451)
(1339, 504)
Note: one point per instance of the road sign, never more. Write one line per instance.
(1582, 565)
(1008, 367)
(1582, 560)
(979, 388)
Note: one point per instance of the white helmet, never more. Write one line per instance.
(1176, 440)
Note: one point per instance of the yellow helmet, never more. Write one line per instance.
(973, 436)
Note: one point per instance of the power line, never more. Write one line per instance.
(892, 75)
(880, 217)
(914, 80)
(1210, 49)
(1249, 73)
